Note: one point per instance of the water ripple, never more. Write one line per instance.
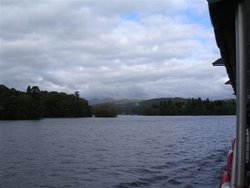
(125, 152)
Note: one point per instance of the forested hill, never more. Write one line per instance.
(178, 106)
(36, 104)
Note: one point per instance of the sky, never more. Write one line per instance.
(111, 48)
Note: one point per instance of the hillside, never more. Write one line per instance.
(174, 106)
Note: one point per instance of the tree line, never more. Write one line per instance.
(192, 106)
(104, 110)
(36, 104)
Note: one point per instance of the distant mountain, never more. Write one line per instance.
(169, 106)
(126, 101)
(97, 101)
(158, 100)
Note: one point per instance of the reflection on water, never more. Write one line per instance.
(128, 151)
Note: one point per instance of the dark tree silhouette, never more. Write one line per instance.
(35, 104)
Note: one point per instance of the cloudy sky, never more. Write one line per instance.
(111, 48)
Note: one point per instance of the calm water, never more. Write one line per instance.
(128, 151)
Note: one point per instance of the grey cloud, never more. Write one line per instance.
(91, 46)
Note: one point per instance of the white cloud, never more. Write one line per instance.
(111, 48)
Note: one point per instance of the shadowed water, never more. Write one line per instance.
(128, 151)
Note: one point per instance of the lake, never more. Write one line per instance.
(127, 151)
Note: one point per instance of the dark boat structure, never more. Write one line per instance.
(230, 19)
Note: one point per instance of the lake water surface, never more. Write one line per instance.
(128, 151)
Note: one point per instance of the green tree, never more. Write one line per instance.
(106, 110)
